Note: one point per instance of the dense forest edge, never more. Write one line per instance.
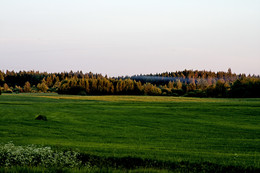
(190, 83)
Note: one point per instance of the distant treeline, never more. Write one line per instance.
(191, 83)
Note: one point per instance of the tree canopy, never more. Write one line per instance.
(180, 83)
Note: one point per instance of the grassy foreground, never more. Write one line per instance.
(164, 129)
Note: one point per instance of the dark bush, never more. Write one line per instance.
(52, 90)
(196, 93)
(41, 117)
(9, 91)
(177, 92)
(245, 88)
(82, 93)
(16, 90)
(77, 90)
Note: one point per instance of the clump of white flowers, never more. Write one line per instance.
(31, 155)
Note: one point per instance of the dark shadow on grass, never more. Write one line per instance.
(131, 163)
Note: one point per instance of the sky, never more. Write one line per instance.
(121, 37)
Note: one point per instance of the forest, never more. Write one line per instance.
(189, 83)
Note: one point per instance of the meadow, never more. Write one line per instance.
(149, 128)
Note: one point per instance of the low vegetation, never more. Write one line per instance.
(11, 155)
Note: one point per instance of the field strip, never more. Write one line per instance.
(134, 98)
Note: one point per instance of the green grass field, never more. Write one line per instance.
(222, 131)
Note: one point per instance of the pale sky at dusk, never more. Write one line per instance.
(119, 37)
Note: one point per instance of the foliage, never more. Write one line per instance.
(245, 88)
(27, 87)
(190, 83)
(31, 155)
(42, 87)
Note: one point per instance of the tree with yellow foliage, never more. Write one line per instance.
(27, 87)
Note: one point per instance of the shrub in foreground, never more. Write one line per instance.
(31, 155)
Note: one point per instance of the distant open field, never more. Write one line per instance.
(223, 131)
